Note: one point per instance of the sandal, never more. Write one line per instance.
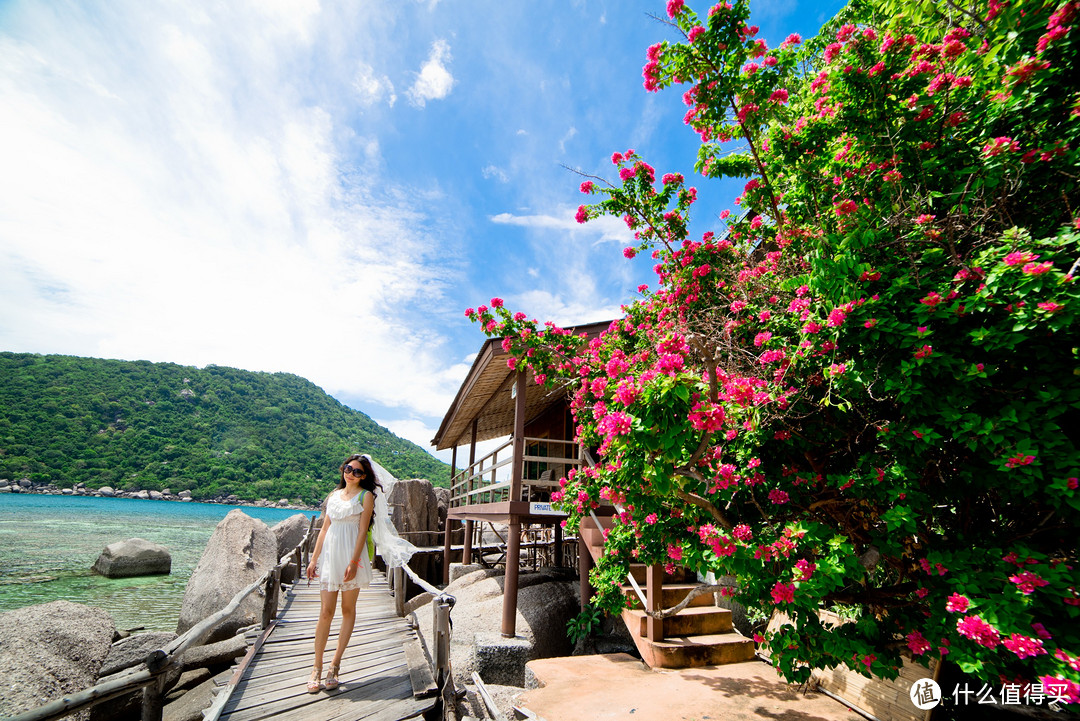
(313, 684)
(332, 676)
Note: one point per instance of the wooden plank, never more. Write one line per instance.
(423, 682)
(376, 679)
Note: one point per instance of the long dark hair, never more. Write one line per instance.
(369, 482)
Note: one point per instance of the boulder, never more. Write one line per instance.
(240, 550)
(51, 650)
(546, 602)
(290, 532)
(142, 495)
(413, 509)
(156, 495)
(107, 491)
(133, 650)
(4, 483)
(133, 557)
(221, 653)
(189, 707)
(442, 496)
(25, 483)
(184, 494)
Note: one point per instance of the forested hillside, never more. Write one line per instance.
(141, 425)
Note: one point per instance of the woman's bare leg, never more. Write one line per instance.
(348, 619)
(326, 616)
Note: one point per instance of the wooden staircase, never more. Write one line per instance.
(699, 635)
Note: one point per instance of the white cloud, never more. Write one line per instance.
(607, 229)
(434, 81)
(493, 171)
(372, 88)
(168, 194)
(566, 138)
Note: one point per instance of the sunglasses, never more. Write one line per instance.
(354, 471)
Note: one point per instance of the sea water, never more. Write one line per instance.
(49, 543)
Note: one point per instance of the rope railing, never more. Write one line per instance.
(151, 679)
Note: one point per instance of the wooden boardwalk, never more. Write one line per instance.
(376, 679)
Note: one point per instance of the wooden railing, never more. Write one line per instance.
(488, 479)
(152, 674)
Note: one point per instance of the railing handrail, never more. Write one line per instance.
(158, 661)
(473, 480)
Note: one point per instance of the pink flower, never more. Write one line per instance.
(805, 569)
(1019, 460)
(1050, 306)
(870, 323)
(1037, 268)
(917, 643)
(1024, 646)
(1019, 258)
(924, 218)
(762, 338)
(695, 32)
(1027, 582)
(793, 39)
(837, 316)
(587, 186)
(582, 214)
(674, 552)
(674, 7)
(1061, 688)
(924, 352)
(783, 593)
(779, 96)
(1000, 145)
(978, 630)
(778, 497)
(651, 518)
(931, 300)
(742, 532)
(957, 604)
(629, 252)
(838, 369)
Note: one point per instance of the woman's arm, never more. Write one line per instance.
(361, 538)
(313, 564)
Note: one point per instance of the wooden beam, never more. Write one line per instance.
(510, 582)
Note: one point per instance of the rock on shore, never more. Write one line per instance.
(133, 557)
(240, 550)
(50, 650)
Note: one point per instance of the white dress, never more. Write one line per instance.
(340, 543)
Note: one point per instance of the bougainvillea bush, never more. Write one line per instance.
(865, 391)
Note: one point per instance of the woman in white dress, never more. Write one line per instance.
(342, 560)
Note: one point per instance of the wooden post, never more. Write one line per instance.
(400, 584)
(466, 554)
(654, 591)
(557, 550)
(441, 627)
(519, 438)
(153, 704)
(585, 564)
(270, 602)
(510, 583)
(446, 552)
(453, 470)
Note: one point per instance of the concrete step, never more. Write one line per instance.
(694, 651)
(691, 621)
(673, 594)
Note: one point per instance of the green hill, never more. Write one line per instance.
(215, 431)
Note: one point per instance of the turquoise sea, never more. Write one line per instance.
(49, 543)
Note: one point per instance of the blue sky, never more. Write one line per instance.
(322, 188)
